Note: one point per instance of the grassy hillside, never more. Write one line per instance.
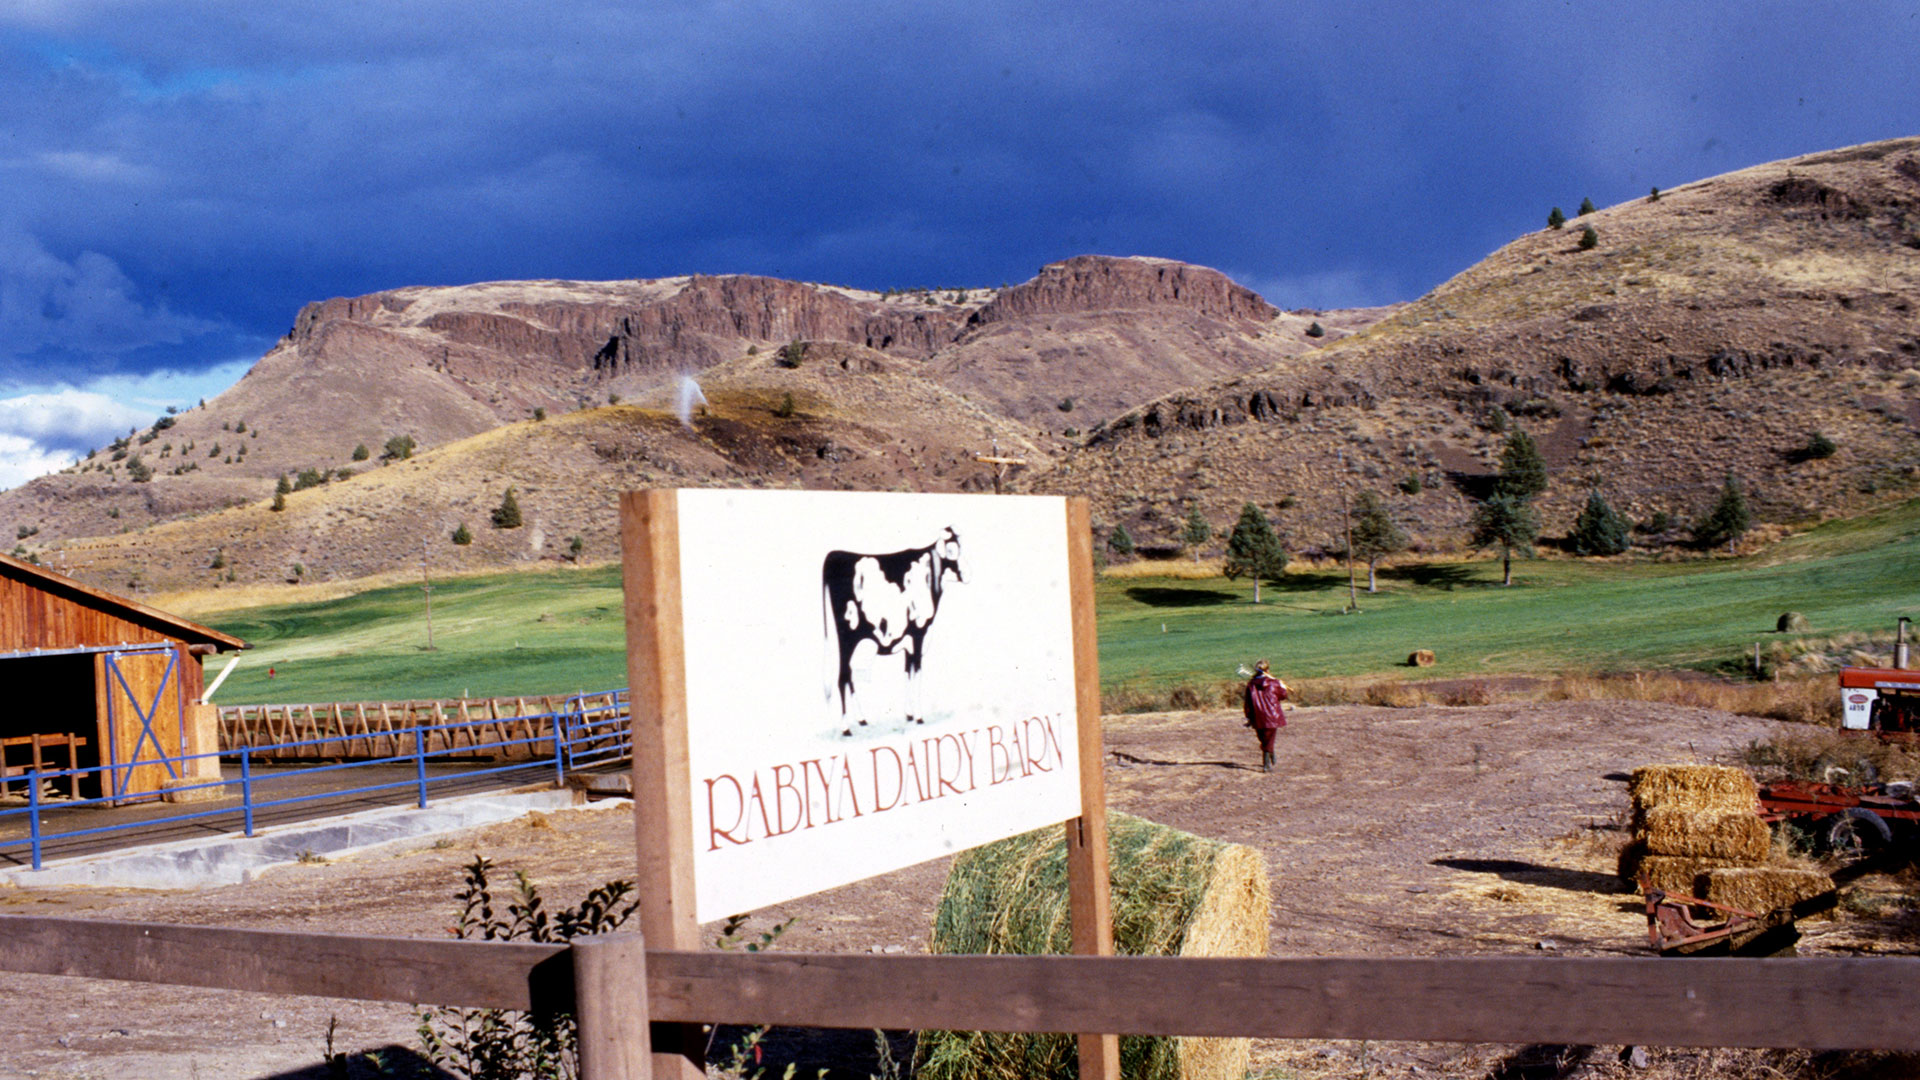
(561, 631)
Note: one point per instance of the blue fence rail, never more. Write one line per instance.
(590, 730)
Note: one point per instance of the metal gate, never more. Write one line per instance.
(594, 730)
(145, 712)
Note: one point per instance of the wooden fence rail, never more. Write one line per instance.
(1816, 1003)
(377, 729)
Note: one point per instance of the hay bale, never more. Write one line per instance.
(1735, 835)
(1695, 787)
(1669, 873)
(1790, 622)
(1420, 658)
(1174, 894)
(1761, 889)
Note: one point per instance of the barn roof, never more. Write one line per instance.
(133, 611)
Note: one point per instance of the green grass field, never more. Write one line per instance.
(561, 631)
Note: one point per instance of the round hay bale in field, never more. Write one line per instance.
(1735, 835)
(1761, 889)
(1791, 622)
(1695, 787)
(1174, 894)
(1420, 658)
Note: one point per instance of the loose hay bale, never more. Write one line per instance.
(1420, 658)
(1174, 894)
(1761, 889)
(1735, 835)
(1695, 787)
(1790, 622)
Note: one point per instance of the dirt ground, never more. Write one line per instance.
(1428, 831)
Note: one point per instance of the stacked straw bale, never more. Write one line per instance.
(1696, 833)
(1174, 894)
(1761, 889)
(1689, 819)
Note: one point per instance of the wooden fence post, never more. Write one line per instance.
(1089, 882)
(610, 1006)
(663, 804)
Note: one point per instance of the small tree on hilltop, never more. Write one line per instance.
(1197, 531)
(1120, 542)
(1555, 219)
(398, 448)
(1586, 207)
(507, 514)
(1599, 530)
(1509, 521)
(1374, 533)
(1727, 521)
(1523, 472)
(1253, 549)
(283, 486)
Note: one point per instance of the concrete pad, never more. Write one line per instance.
(232, 859)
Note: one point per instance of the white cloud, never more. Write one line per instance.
(22, 459)
(44, 429)
(69, 418)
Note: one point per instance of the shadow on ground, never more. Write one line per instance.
(1526, 873)
(1169, 596)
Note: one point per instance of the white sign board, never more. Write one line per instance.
(872, 680)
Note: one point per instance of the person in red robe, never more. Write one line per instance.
(1265, 715)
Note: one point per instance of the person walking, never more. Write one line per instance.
(1265, 715)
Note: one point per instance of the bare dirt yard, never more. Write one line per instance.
(1421, 831)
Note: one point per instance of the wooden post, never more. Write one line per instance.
(1089, 882)
(610, 1006)
(662, 805)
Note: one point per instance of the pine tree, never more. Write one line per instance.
(507, 514)
(279, 500)
(1374, 533)
(1589, 239)
(360, 452)
(463, 535)
(1727, 521)
(1253, 549)
(284, 486)
(1555, 218)
(1197, 531)
(1523, 472)
(1509, 521)
(1120, 542)
(1599, 530)
(1586, 207)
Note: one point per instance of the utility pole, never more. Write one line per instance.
(426, 588)
(1353, 593)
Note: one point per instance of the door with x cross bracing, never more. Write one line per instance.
(141, 697)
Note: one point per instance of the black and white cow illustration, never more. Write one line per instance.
(889, 600)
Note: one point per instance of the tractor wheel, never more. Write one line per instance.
(1856, 834)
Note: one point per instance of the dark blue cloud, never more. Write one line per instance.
(178, 184)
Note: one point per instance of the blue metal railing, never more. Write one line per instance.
(583, 736)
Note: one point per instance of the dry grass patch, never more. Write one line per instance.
(1184, 569)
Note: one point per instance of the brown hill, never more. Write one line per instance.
(1709, 331)
(848, 417)
(442, 364)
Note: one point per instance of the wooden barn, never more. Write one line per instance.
(96, 680)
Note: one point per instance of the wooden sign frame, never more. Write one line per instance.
(663, 825)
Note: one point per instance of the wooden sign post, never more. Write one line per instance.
(662, 816)
(960, 662)
(1089, 881)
